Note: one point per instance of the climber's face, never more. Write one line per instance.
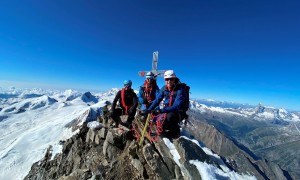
(170, 82)
(127, 88)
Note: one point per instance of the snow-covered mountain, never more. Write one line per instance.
(222, 104)
(30, 104)
(267, 132)
(33, 119)
(259, 113)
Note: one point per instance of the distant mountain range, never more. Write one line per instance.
(222, 104)
(259, 112)
(39, 118)
(267, 132)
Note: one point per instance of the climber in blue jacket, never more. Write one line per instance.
(148, 91)
(174, 97)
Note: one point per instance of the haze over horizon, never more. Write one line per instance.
(239, 51)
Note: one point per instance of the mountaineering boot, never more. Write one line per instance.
(176, 133)
(171, 134)
(117, 121)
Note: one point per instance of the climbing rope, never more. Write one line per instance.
(135, 133)
(159, 126)
(160, 119)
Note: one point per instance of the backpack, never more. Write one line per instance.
(186, 106)
(187, 96)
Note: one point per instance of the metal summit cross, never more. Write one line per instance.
(154, 67)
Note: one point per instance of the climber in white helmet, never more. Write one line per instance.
(174, 101)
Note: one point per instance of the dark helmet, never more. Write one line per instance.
(127, 83)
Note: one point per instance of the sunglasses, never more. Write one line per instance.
(149, 78)
(169, 79)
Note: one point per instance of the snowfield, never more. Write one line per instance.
(29, 126)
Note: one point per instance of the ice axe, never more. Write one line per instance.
(145, 129)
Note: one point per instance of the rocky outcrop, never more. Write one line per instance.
(107, 154)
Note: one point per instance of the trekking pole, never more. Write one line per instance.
(145, 128)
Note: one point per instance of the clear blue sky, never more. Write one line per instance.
(236, 50)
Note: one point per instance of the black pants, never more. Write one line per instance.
(172, 123)
(119, 112)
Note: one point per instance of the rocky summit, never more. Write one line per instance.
(113, 153)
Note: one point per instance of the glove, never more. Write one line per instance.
(145, 101)
(156, 111)
(130, 110)
(143, 113)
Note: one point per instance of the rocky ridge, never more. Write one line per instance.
(108, 153)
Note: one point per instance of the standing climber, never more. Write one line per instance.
(128, 103)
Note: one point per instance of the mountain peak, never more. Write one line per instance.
(115, 155)
(88, 97)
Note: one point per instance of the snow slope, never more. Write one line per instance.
(25, 135)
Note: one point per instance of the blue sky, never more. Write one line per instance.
(237, 50)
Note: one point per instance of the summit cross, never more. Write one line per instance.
(154, 67)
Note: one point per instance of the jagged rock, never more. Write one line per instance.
(103, 133)
(165, 153)
(110, 151)
(156, 163)
(91, 135)
(78, 174)
(190, 151)
(115, 138)
(138, 165)
(95, 135)
(113, 143)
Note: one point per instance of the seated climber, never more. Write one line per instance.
(174, 102)
(128, 103)
(148, 91)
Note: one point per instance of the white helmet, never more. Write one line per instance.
(169, 74)
(149, 75)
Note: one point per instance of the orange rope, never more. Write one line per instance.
(159, 123)
(135, 133)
